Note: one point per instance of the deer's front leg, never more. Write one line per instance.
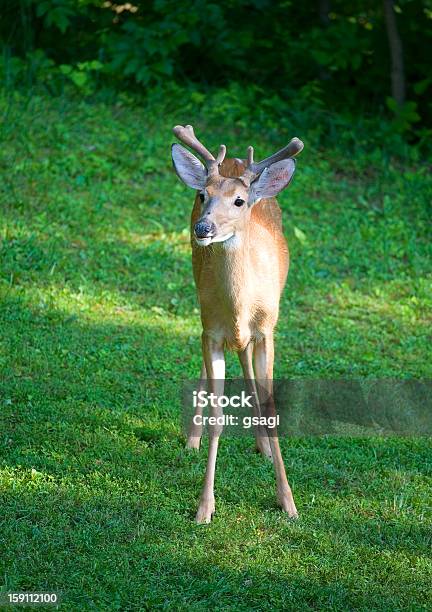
(195, 432)
(214, 362)
(264, 357)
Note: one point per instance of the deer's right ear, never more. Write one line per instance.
(188, 167)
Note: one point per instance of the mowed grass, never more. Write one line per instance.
(99, 327)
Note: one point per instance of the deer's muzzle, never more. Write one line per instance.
(204, 229)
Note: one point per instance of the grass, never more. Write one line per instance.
(99, 326)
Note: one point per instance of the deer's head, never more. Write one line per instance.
(227, 202)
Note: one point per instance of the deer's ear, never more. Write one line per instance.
(272, 180)
(188, 167)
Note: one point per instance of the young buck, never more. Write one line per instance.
(240, 264)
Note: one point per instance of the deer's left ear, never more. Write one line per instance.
(272, 180)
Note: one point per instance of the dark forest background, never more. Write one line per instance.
(347, 58)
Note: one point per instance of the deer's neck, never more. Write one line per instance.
(232, 269)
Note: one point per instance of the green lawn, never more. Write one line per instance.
(99, 326)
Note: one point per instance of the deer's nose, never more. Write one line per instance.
(204, 229)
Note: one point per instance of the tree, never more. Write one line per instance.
(396, 53)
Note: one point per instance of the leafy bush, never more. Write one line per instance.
(333, 57)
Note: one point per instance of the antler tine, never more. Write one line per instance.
(254, 169)
(187, 136)
(249, 174)
(221, 155)
(213, 166)
(250, 157)
(293, 148)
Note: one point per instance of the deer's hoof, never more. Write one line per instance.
(193, 443)
(205, 511)
(263, 447)
(287, 504)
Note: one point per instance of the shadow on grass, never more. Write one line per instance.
(121, 549)
(99, 494)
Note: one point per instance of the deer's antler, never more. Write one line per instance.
(254, 169)
(187, 135)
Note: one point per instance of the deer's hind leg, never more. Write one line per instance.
(261, 438)
(264, 357)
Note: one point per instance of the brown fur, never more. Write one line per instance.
(240, 263)
(239, 283)
(248, 308)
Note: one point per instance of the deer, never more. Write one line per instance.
(240, 263)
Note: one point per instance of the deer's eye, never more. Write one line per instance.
(239, 202)
(201, 197)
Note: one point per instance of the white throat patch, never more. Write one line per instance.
(206, 241)
(223, 238)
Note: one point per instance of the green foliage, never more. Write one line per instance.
(56, 13)
(339, 62)
(99, 323)
(81, 74)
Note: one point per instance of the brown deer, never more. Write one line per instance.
(240, 263)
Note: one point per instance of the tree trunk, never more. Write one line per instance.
(396, 53)
(324, 10)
